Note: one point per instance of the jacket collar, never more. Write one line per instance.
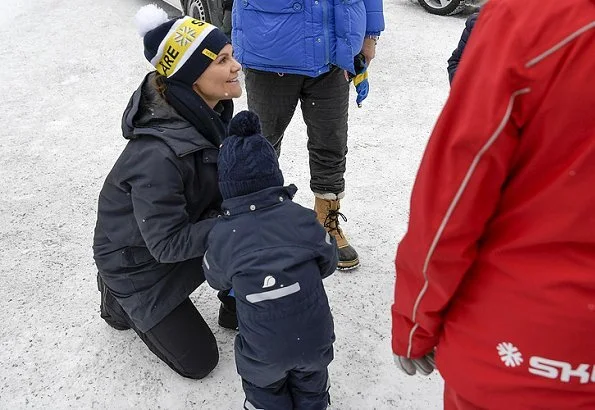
(257, 200)
(148, 113)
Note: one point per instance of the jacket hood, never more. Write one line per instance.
(148, 113)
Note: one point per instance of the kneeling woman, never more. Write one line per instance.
(161, 198)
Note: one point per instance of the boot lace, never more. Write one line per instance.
(331, 222)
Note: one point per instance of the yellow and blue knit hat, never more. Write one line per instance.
(181, 48)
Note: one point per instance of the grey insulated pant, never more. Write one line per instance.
(324, 103)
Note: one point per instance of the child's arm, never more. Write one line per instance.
(329, 256)
(213, 263)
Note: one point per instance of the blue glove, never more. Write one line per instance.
(360, 80)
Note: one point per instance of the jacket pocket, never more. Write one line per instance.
(136, 256)
(350, 25)
(273, 32)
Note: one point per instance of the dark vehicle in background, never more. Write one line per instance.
(448, 7)
(216, 12)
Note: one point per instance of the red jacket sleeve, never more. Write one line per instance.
(458, 185)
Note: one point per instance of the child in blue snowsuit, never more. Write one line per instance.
(274, 254)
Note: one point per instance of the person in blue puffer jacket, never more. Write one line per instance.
(274, 254)
(301, 50)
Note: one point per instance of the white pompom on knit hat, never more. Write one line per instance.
(181, 48)
(148, 18)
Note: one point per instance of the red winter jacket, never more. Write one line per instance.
(497, 268)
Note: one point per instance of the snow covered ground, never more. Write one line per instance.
(68, 69)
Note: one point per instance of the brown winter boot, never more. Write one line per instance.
(327, 213)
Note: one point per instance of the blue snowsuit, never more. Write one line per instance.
(274, 253)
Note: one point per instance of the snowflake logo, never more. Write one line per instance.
(184, 35)
(509, 354)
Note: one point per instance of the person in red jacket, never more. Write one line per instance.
(496, 273)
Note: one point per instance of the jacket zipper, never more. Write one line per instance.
(327, 46)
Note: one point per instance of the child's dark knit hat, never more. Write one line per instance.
(247, 161)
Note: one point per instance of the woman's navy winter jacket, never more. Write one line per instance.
(453, 61)
(274, 253)
(155, 210)
(303, 36)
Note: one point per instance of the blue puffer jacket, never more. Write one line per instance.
(303, 36)
(274, 253)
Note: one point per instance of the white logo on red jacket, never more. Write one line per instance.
(555, 369)
(509, 354)
(548, 368)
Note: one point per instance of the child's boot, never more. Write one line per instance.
(227, 311)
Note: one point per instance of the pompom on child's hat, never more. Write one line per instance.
(247, 161)
(181, 48)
